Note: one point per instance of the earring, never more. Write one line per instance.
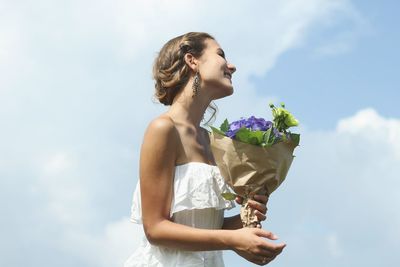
(196, 84)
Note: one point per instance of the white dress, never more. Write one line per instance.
(197, 202)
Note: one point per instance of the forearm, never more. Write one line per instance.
(178, 236)
(232, 223)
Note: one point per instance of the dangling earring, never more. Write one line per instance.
(196, 84)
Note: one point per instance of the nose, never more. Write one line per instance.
(231, 68)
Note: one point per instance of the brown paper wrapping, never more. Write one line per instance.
(251, 169)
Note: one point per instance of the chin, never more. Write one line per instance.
(224, 93)
(230, 89)
(222, 89)
(230, 92)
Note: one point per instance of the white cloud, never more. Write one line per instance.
(56, 164)
(340, 42)
(110, 248)
(339, 202)
(339, 197)
(59, 181)
(13, 46)
(334, 246)
(379, 131)
(338, 45)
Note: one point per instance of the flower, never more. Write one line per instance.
(258, 124)
(277, 134)
(283, 119)
(249, 169)
(252, 123)
(258, 131)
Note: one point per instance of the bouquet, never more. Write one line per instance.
(254, 156)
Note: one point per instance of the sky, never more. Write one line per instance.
(76, 97)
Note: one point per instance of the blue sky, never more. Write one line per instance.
(361, 73)
(76, 96)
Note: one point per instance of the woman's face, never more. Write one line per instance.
(215, 71)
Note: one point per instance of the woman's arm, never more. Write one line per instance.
(157, 166)
(232, 223)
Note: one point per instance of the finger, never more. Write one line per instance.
(267, 234)
(263, 199)
(270, 251)
(260, 216)
(259, 260)
(267, 260)
(262, 260)
(258, 206)
(239, 199)
(275, 249)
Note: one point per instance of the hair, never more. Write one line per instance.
(170, 71)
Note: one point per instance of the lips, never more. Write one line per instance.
(227, 74)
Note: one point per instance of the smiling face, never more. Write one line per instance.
(215, 71)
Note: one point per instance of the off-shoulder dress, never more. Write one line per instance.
(197, 202)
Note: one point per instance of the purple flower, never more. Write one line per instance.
(234, 127)
(258, 124)
(231, 134)
(277, 133)
(261, 125)
(252, 123)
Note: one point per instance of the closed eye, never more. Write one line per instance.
(221, 53)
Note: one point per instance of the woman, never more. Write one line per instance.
(179, 199)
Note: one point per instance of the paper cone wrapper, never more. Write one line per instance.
(251, 169)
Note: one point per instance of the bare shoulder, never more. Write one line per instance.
(162, 126)
(160, 141)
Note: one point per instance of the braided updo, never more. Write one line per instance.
(170, 71)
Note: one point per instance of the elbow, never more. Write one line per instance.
(151, 237)
(153, 234)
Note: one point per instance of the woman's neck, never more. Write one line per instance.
(189, 109)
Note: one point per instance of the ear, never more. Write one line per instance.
(191, 61)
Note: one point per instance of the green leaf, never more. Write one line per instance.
(216, 130)
(267, 135)
(228, 196)
(225, 126)
(268, 138)
(290, 121)
(295, 138)
(256, 137)
(243, 135)
(251, 137)
(282, 118)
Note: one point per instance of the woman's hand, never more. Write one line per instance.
(249, 243)
(259, 204)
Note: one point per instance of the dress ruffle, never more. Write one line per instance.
(199, 186)
(196, 186)
(148, 255)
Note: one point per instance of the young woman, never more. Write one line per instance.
(179, 198)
